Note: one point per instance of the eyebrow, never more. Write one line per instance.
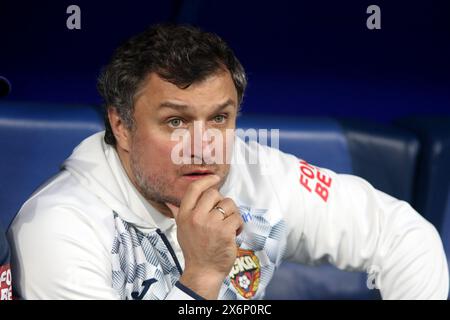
(184, 107)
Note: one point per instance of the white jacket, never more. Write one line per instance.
(88, 234)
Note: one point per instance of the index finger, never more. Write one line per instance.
(195, 190)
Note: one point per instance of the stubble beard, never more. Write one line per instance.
(152, 187)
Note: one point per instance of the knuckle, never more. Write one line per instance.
(231, 205)
(229, 200)
(225, 203)
(236, 220)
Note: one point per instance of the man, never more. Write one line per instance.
(126, 220)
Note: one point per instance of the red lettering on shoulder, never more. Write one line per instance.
(5, 283)
(311, 178)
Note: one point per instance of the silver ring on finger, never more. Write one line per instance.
(221, 210)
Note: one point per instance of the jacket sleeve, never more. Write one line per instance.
(343, 220)
(58, 255)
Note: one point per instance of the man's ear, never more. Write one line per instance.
(119, 129)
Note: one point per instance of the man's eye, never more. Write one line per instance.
(175, 123)
(219, 118)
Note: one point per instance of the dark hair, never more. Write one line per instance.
(179, 54)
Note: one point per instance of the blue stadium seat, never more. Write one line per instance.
(35, 140)
(433, 181)
(383, 155)
(319, 141)
(432, 188)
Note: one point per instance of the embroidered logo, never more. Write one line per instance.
(245, 273)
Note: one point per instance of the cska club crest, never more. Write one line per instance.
(245, 273)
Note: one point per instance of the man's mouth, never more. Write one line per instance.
(197, 174)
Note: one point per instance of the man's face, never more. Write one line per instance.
(160, 109)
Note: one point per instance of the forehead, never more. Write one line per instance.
(215, 89)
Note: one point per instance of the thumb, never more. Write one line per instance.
(173, 209)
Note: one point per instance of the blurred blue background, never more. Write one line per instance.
(302, 57)
(308, 62)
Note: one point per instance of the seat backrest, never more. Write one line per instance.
(432, 187)
(35, 140)
(384, 155)
(319, 141)
(433, 179)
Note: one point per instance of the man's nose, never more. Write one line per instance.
(207, 144)
(198, 141)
